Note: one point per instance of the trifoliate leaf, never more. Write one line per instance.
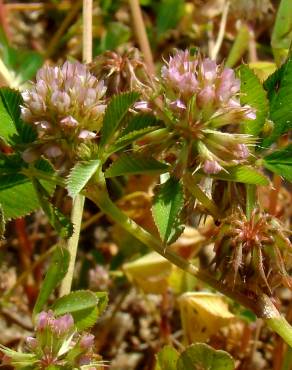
(79, 176)
(17, 194)
(279, 87)
(115, 113)
(12, 129)
(133, 164)
(203, 357)
(85, 307)
(139, 122)
(254, 95)
(243, 174)
(280, 162)
(167, 205)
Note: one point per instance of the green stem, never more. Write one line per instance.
(98, 194)
(262, 305)
(76, 218)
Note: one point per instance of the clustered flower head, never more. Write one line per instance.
(122, 72)
(56, 343)
(66, 105)
(254, 252)
(202, 99)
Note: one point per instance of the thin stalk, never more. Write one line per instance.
(221, 32)
(72, 245)
(87, 31)
(78, 201)
(141, 34)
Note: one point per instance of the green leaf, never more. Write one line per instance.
(85, 307)
(282, 32)
(280, 162)
(116, 34)
(60, 222)
(167, 358)
(167, 205)
(200, 356)
(139, 122)
(79, 176)
(12, 129)
(279, 87)
(56, 272)
(253, 94)
(133, 164)
(17, 194)
(115, 113)
(168, 15)
(243, 174)
(129, 138)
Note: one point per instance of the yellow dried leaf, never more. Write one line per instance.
(202, 315)
(150, 273)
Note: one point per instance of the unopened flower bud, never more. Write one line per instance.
(86, 341)
(69, 122)
(86, 135)
(31, 342)
(61, 100)
(177, 105)
(43, 319)
(211, 167)
(63, 324)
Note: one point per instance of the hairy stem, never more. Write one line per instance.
(98, 194)
(261, 305)
(76, 218)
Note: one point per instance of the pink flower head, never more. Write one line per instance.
(63, 324)
(66, 98)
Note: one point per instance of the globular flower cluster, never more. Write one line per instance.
(66, 105)
(203, 100)
(56, 345)
(122, 72)
(253, 252)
